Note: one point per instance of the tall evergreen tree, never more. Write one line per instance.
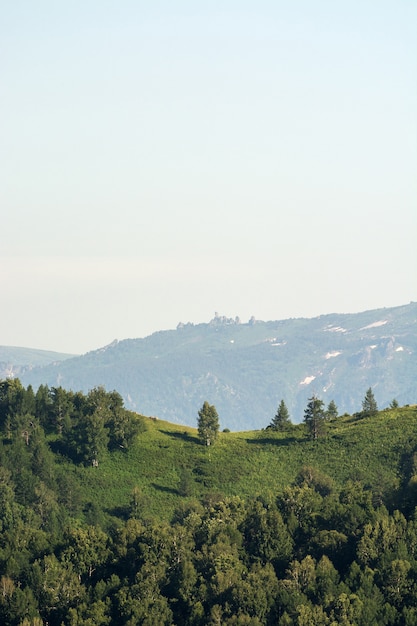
(331, 412)
(208, 423)
(314, 417)
(94, 437)
(12, 397)
(61, 406)
(281, 420)
(43, 405)
(369, 405)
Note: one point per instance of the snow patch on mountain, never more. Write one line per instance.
(307, 380)
(335, 329)
(331, 355)
(375, 325)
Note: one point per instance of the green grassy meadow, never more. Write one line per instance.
(370, 449)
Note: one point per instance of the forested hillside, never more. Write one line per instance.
(246, 368)
(110, 518)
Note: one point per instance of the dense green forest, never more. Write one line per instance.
(111, 518)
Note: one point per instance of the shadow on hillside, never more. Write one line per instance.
(184, 436)
(122, 512)
(274, 442)
(165, 489)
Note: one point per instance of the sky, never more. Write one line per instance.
(162, 161)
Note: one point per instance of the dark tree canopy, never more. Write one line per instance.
(208, 424)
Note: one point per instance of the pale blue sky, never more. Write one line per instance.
(164, 160)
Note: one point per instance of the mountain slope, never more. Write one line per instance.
(14, 361)
(245, 369)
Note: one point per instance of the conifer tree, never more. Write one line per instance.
(281, 420)
(314, 417)
(369, 405)
(331, 412)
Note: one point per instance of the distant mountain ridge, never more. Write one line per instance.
(15, 361)
(246, 368)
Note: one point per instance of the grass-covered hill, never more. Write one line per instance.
(245, 369)
(168, 460)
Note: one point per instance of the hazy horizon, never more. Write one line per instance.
(162, 161)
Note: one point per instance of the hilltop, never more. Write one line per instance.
(110, 450)
(246, 463)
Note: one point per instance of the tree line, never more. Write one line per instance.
(85, 425)
(315, 417)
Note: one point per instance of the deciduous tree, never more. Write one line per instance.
(208, 424)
